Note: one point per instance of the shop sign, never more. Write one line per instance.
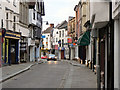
(71, 45)
(12, 35)
(74, 44)
(31, 42)
(56, 47)
(23, 46)
(43, 36)
(69, 40)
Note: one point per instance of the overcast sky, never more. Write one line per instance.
(57, 11)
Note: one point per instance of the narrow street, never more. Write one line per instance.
(53, 74)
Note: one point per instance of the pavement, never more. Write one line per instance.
(13, 70)
(75, 63)
(80, 76)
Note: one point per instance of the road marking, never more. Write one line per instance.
(68, 82)
(64, 79)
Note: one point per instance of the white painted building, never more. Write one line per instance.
(9, 20)
(47, 41)
(116, 17)
(61, 30)
(35, 29)
(9, 10)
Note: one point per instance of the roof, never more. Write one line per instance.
(63, 25)
(70, 18)
(48, 30)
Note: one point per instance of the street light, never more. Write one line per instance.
(46, 22)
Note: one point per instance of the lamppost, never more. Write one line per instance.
(46, 22)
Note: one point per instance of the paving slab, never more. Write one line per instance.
(8, 72)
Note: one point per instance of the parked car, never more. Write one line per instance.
(43, 57)
(51, 57)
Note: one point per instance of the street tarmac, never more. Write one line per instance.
(53, 74)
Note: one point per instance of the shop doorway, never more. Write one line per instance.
(62, 54)
(14, 51)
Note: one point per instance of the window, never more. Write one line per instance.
(56, 32)
(34, 15)
(6, 15)
(63, 33)
(62, 43)
(6, 20)
(38, 5)
(14, 3)
(8, 1)
(59, 33)
(56, 39)
(2, 22)
(14, 27)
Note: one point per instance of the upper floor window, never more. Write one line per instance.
(14, 27)
(56, 39)
(63, 33)
(1, 22)
(38, 5)
(14, 3)
(62, 43)
(59, 33)
(8, 1)
(6, 15)
(34, 15)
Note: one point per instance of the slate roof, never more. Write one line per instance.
(63, 25)
(48, 30)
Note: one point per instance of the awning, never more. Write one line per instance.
(84, 39)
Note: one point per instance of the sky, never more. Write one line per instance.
(57, 11)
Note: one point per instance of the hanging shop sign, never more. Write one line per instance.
(71, 45)
(69, 40)
(43, 36)
(23, 46)
(74, 44)
(31, 42)
(56, 47)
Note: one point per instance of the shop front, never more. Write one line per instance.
(56, 50)
(23, 49)
(61, 53)
(11, 48)
(82, 42)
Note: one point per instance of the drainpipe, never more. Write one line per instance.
(110, 52)
(98, 61)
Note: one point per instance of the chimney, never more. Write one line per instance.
(52, 25)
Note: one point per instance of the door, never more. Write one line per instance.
(102, 63)
(62, 54)
(13, 51)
